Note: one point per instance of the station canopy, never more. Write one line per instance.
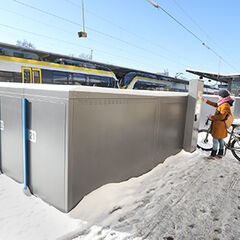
(226, 78)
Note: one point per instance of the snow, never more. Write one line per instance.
(23, 217)
(186, 197)
(90, 89)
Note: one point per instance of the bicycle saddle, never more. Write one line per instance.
(235, 125)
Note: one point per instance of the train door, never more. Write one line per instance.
(26, 75)
(31, 75)
(36, 75)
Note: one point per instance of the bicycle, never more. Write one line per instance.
(233, 143)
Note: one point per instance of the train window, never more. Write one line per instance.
(96, 81)
(60, 78)
(47, 76)
(32, 56)
(100, 81)
(27, 75)
(36, 75)
(6, 77)
(138, 85)
(17, 77)
(112, 83)
(79, 79)
(103, 68)
(17, 54)
(7, 52)
(144, 85)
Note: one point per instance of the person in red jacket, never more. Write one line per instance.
(218, 128)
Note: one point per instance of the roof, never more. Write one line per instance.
(215, 76)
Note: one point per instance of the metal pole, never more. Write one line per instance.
(26, 167)
(83, 16)
(24, 142)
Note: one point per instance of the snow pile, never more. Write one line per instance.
(186, 197)
(29, 218)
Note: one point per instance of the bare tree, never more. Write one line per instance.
(71, 55)
(85, 56)
(25, 43)
(82, 56)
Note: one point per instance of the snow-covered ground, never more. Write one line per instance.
(184, 198)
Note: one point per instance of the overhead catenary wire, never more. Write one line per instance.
(97, 31)
(55, 39)
(198, 26)
(46, 24)
(193, 34)
(191, 19)
(125, 30)
(63, 30)
(67, 42)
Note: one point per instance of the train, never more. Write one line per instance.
(28, 67)
(25, 65)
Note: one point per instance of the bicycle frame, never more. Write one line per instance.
(233, 143)
(232, 137)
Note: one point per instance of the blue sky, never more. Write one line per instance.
(131, 33)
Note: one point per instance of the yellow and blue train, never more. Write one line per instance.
(19, 64)
(145, 81)
(26, 66)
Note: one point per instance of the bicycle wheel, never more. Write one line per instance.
(235, 148)
(205, 140)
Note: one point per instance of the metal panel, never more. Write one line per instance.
(193, 115)
(11, 134)
(47, 125)
(171, 131)
(207, 110)
(1, 129)
(236, 111)
(115, 139)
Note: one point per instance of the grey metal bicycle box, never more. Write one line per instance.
(80, 138)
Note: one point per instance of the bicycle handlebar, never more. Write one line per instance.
(208, 119)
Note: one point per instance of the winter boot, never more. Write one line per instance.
(220, 153)
(212, 156)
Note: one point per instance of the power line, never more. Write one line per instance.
(61, 29)
(97, 31)
(191, 19)
(35, 20)
(67, 42)
(195, 36)
(123, 29)
(196, 24)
